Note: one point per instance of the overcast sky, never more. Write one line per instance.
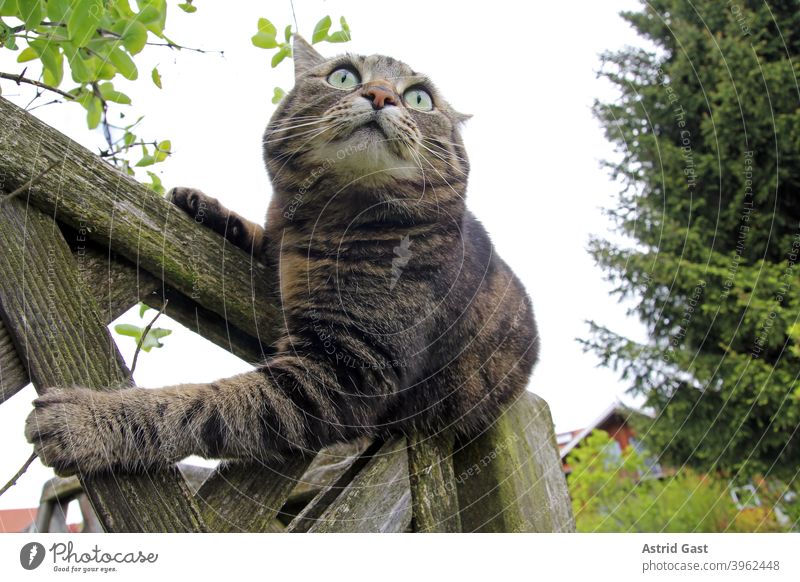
(528, 76)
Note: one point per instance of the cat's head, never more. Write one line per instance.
(363, 121)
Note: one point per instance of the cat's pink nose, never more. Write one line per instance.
(379, 94)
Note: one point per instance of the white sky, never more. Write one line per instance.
(527, 74)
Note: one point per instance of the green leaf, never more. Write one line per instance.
(149, 341)
(128, 139)
(156, 76)
(265, 37)
(321, 30)
(264, 41)
(122, 8)
(339, 36)
(163, 149)
(280, 55)
(32, 12)
(124, 64)
(110, 94)
(128, 329)
(142, 306)
(53, 62)
(27, 54)
(102, 46)
(83, 70)
(153, 14)
(152, 337)
(106, 71)
(7, 36)
(133, 33)
(188, 7)
(9, 8)
(58, 10)
(94, 113)
(265, 26)
(277, 95)
(345, 26)
(155, 183)
(287, 33)
(147, 160)
(84, 20)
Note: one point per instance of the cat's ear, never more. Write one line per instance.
(304, 55)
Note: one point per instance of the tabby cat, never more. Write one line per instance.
(399, 315)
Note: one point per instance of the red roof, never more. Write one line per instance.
(16, 520)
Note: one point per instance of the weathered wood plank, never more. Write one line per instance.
(129, 218)
(509, 479)
(247, 497)
(114, 283)
(209, 325)
(328, 467)
(433, 493)
(13, 375)
(61, 488)
(323, 498)
(377, 500)
(60, 337)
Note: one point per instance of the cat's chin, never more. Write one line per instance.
(366, 155)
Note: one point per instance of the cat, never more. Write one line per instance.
(399, 314)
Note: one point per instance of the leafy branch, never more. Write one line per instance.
(267, 38)
(92, 42)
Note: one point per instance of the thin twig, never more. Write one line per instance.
(19, 474)
(18, 79)
(32, 182)
(144, 335)
(175, 46)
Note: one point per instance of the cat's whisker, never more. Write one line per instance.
(456, 192)
(443, 150)
(417, 157)
(299, 125)
(443, 160)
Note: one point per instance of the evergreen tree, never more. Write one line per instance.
(707, 127)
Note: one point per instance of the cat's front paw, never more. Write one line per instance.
(191, 200)
(64, 432)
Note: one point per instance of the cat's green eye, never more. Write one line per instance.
(418, 99)
(343, 79)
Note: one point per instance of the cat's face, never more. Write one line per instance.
(367, 120)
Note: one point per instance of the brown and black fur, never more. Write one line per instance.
(399, 315)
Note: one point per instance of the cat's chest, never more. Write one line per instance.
(329, 270)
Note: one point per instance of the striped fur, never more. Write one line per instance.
(399, 315)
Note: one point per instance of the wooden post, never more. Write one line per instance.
(58, 334)
(509, 479)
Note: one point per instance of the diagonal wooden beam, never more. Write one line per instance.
(248, 497)
(128, 218)
(54, 324)
(113, 282)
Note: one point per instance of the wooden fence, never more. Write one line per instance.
(83, 243)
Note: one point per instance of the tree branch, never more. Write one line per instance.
(19, 79)
(14, 479)
(144, 336)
